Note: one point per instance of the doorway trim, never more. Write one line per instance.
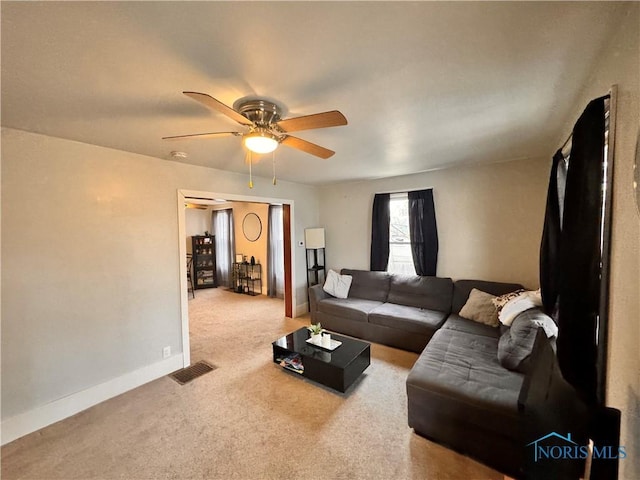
(203, 198)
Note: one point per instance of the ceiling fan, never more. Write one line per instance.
(265, 130)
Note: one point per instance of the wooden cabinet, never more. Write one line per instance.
(204, 261)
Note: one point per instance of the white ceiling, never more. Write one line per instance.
(422, 84)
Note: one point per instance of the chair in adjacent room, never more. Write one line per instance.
(190, 287)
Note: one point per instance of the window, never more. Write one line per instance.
(404, 235)
(400, 257)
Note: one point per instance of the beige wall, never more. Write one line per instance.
(90, 263)
(257, 249)
(619, 64)
(196, 222)
(489, 219)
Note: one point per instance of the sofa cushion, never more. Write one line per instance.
(409, 319)
(462, 288)
(350, 308)
(480, 308)
(432, 293)
(458, 376)
(368, 285)
(516, 344)
(460, 324)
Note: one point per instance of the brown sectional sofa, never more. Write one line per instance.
(458, 392)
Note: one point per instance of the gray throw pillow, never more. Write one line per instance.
(516, 344)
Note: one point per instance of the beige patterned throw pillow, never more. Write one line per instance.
(480, 308)
(502, 300)
(512, 304)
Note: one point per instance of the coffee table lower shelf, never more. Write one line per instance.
(337, 369)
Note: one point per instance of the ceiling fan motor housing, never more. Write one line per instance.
(261, 112)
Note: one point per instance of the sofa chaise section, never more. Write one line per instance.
(460, 396)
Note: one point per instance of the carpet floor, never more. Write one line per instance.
(247, 419)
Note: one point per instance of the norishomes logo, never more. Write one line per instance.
(554, 446)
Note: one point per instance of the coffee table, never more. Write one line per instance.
(337, 369)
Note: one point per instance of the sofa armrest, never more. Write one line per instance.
(316, 293)
(549, 404)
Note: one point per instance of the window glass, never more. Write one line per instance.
(400, 258)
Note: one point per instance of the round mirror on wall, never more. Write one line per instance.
(251, 227)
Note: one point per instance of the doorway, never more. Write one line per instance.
(208, 198)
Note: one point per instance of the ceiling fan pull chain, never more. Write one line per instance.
(273, 157)
(250, 176)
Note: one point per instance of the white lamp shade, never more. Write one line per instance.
(314, 237)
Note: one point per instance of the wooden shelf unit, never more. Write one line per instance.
(203, 248)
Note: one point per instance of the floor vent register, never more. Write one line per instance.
(191, 372)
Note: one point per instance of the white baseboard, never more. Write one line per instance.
(301, 309)
(39, 417)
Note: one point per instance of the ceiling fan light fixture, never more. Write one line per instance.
(261, 141)
(266, 128)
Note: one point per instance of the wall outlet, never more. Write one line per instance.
(166, 352)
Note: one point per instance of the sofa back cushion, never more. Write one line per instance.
(431, 293)
(462, 289)
(368, 285)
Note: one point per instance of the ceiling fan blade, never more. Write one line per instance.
(203, 135)
(318, 120)
(308, 147)
(218, 106)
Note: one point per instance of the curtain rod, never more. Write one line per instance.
(391, 192)
(567, 142)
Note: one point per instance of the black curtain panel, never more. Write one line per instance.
(380, 232)
(580, 253)
(550, 246)
(423, 232)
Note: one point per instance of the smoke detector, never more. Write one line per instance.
(179, 155)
